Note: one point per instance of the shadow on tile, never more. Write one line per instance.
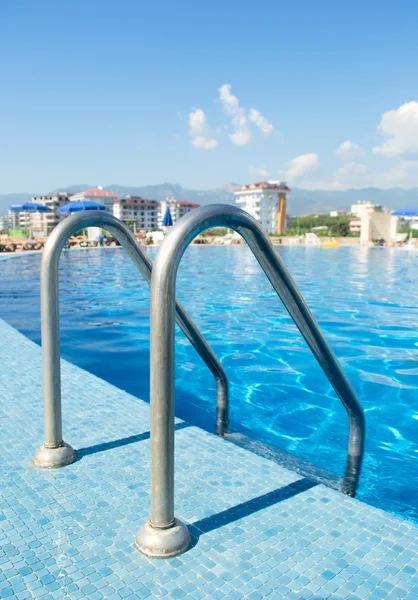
(235, 513)
(132, 439)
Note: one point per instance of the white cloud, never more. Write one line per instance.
(232, 108)
(259, 171)
(402, 125)
(302, 164)
(349, 151)
(199, 131)
(261, 122)
(352, 173)
(404, 174)
(241, 121)
(357, 175)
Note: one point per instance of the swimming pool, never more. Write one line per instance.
(363, 298)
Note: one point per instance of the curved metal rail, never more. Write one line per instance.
(163, 535)
(54, 452)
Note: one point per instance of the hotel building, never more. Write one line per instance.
(266, 202)
(144, 213)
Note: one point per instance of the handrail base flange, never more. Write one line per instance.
(162, 543)
(54, 458)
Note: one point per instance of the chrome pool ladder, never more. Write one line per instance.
(163, 535)
(54, 452)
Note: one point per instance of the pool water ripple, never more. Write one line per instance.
(365, 300)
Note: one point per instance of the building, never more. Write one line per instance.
(377, 225)
(373, 223)
(4, 224)
(28, 219)
(98, 195)
(266, 202)
(337, 213)
(364, 208)
(21, 217)
(178, 208)
(54, 202)
(144, 213)
(355, 225)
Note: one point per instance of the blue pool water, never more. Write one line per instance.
(365, 300)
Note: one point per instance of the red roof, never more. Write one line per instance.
(261, 185)
(99, 192)
(186, 204)
(137, 200)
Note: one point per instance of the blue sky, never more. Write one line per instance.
(322, 94)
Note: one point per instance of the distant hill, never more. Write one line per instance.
(7, 200)
(223, 194)
(300, 201)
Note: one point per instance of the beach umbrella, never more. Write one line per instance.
(167, 219)
(29, 207)
(79, 206)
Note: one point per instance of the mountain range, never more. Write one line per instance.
(300, 201)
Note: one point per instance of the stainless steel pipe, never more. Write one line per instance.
(54, 452)
(163, 535)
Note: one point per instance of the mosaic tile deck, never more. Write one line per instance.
(259, 530)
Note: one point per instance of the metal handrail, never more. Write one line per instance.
(54, 452)
(163, 535)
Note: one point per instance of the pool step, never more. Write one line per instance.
(286, 460)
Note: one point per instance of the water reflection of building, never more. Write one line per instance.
(266, 202)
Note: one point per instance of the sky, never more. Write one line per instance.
(321, 94)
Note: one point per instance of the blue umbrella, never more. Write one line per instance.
(167, 219)
(405, 212)
(29, 207)
(80, 205)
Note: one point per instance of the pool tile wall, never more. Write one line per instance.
(259, 530)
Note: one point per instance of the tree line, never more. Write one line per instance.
(332, 226)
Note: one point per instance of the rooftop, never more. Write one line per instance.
(136, 200)
(182, 203)
(99, 192)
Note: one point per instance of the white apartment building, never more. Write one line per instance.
(4, 224)
(178, 208)
(19, 219)
(29, 219)
(144, 213)
(266, 202)
(377, 225)
(98, 195)
(373, 223)
(364, 208)
(54, 202)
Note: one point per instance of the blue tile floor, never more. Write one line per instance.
(260, 531)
